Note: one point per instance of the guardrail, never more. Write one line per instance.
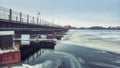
(11, 15)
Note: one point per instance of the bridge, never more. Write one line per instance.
(18, 23)
(25, 24)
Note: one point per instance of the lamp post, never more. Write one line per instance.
(38, 17)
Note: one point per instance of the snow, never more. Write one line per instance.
(6, 32)
(23, 38)
(43, 36)
(40, 65)
(29, 66)
(6, 51)
(97, 39)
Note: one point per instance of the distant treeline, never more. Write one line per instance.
(97, 27)
(100, 27)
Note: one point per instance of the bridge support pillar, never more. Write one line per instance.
(6, 41)
(8, 49)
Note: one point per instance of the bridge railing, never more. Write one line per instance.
(11, 15)
(4, 13)
(15, 16)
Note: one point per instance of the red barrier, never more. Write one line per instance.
(9, 58)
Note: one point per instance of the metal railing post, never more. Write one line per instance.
(20, 17)
(27, 18)
(33, 19)
(37, 20)
(40, 22)
(16, 18)
(43, 22)
(10, 16)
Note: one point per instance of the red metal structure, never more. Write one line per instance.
(9, 58)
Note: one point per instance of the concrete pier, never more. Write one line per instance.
(6, 39)
(8, 50)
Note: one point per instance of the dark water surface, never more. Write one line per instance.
(83, 49)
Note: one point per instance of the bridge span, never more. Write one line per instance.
(14, 24)
(24, 23)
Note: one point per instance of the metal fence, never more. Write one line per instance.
(11, 15)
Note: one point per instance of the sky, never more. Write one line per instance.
(79, 13)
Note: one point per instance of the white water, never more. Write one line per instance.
(108, 40)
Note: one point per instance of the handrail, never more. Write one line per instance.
(11, 15)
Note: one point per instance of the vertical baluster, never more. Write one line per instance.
(10, 15)
(16, 18)
(20, 17)
(33, 19)
(27, 18)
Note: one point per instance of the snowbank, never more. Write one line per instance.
(7, 51)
